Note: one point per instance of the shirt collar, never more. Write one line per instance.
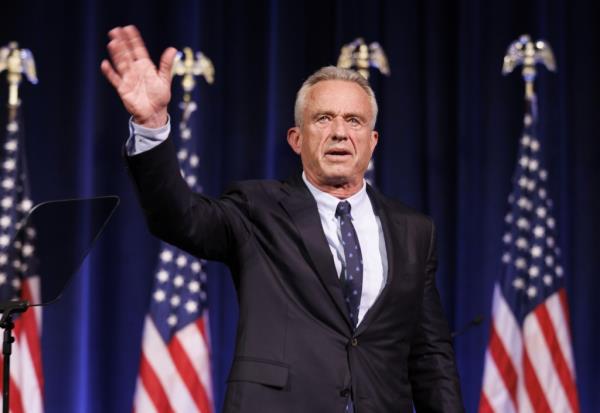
(328, 203)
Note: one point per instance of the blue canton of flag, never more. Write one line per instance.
(532, 270)
(175, 369)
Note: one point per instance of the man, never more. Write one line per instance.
(338, 306)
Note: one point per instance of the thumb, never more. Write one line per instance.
(165, 66)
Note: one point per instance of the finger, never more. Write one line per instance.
(120, 55)
(135, 42)
(110, 73)
(166, 63)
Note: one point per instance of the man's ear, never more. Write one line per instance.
(295, 139)
(374, 140)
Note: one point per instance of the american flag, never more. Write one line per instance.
(18, 280)
(529, 364)
(175, 369)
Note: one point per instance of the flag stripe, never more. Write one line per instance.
(484, 405)
(533, 387)
(188, 374)
(30, 330)
(503, 363)
(494, 390)
(558, 360)
(163, 366)
(152, 387)
(143, 402)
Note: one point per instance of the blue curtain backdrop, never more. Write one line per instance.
(449, 125)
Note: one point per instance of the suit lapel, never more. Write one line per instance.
(391, 233)
(302, 208)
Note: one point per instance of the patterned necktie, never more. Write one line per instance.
(352, 273)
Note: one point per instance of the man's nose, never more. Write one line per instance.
(339, 128)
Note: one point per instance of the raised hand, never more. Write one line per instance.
(144, 90)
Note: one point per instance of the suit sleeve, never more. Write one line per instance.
(203, 226)
(432, 370)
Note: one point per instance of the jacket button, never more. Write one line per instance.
(354, 342)
(345, 393)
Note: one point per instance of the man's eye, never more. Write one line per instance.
(323, 119)
(354, 121)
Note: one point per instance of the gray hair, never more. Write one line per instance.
(332, 73)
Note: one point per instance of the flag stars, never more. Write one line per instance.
(543, 174)
(162, 276)
(522, 243)
(175, 301)
(549, 260)
(559, 271)
(506, 258)
(550, 242)
(551, 223)
(524, 161)
(508, 218)
(5, 221)
(194, 161)
(541, 212)
(194, 286)
(4, 240)
(172, 320)
(534, 272)
(28, 250)
(518, 283)
(527, 120)
(178, 281)
(191, 307)
(181, 261)
(531, 291)
(3, 259)
(196, 267)
(6, 202)
(533, 165)
(522, 223)
(159, 296)
(525, 140)
(520, 263)
(11, 145)
(166, 256)
(25, 205)
(539, 231)
(535, 145)
(547, 280)
(9, 164)
(8, 183)
(191, 180)
(536, 251)
(182, 154)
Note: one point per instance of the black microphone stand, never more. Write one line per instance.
(6, 322)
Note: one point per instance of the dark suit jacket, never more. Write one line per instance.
(296, 350)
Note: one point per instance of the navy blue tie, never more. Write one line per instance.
(352, 273)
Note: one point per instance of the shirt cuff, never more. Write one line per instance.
(142, 139)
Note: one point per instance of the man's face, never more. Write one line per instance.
(335, 140)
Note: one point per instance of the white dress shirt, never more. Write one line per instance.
(370, 237)
(366, 223)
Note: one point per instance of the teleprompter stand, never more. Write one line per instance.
(59, 235)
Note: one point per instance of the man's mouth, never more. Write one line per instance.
(337, 153)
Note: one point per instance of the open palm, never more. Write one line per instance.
(144, 89)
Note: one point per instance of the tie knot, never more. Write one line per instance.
(343, 209)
